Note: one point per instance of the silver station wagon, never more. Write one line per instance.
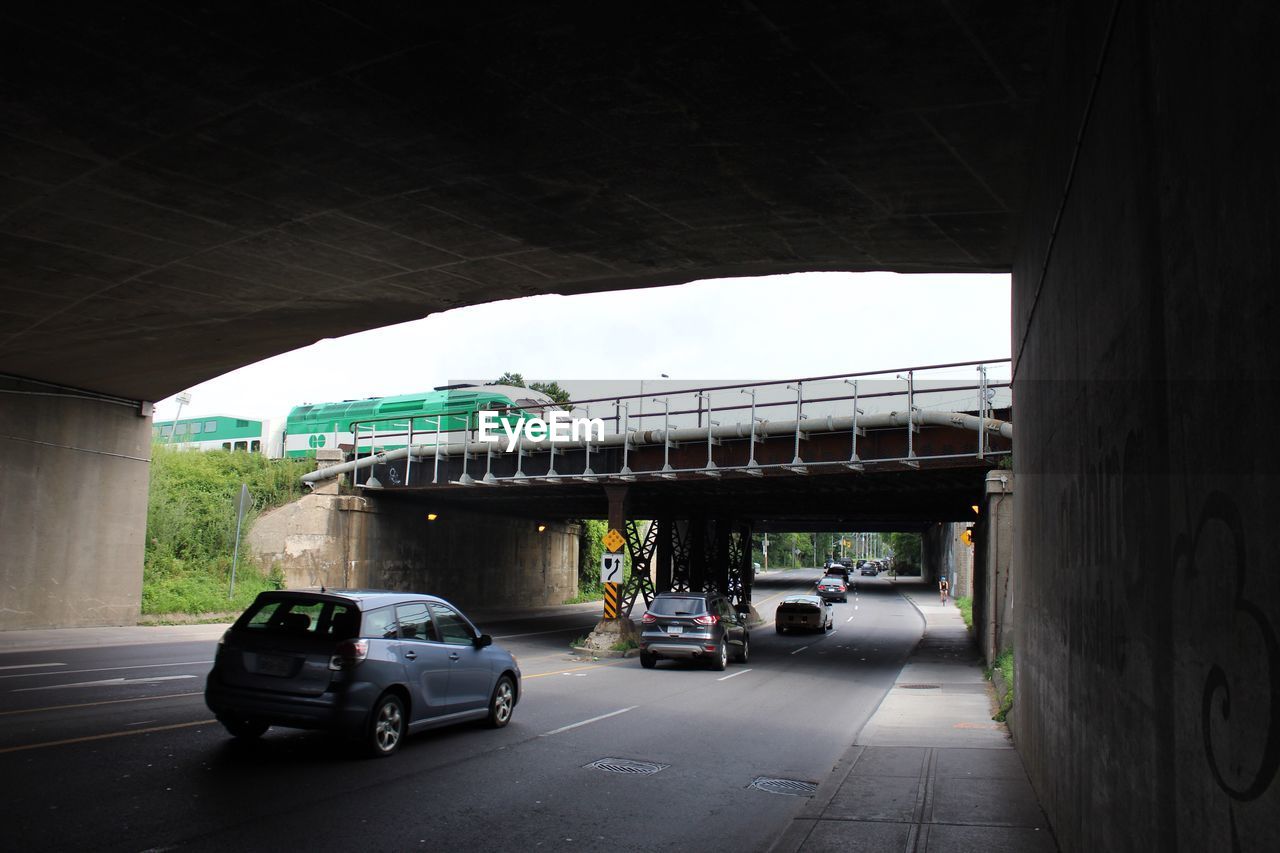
(370, 664)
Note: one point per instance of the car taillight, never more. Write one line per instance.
(707, 619)
(648, 618)
(843, 587)
(348, 654)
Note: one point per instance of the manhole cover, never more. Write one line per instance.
(920, 686)
(790, 787)
(626, 765)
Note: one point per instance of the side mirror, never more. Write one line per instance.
(481, 641)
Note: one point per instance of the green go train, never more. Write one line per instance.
(381, 423)
(385, 423)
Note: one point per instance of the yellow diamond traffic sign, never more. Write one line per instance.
(613, 540)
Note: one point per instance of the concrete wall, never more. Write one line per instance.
(1145, 313)
(73, 508)
(475, 560)
(936, 557)
(994, 573)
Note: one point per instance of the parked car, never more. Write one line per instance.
(693, 626)
(377, 666)
(804, 611)
(833, 589)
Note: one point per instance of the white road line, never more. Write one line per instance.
(799, 650)
(850, 619)
(735, 675)
(588, 722)
(104, 669)
(30, 666)
(105, 682)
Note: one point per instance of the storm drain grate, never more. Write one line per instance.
(626, 765)
(790, 787)
(920, 686)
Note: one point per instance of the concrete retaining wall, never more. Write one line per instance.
(73, 508)
(474, 560)
(1144, 335)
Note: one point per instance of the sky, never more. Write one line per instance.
(771, 327)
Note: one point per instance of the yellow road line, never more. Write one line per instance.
(107, 736)
(96, 704)
(572, 669)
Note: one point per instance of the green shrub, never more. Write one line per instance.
(1004, 663)
(965, 605)
(191, 526)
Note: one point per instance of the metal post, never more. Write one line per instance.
(626, 439)
(435, 465)
(982, 409)
(798, 463)
(666, 432)
(855, 430)
(710, 469)
(752, 465)
(408, 459)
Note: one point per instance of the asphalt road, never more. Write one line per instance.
(112, 748)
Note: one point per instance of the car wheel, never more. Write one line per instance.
(778, 628)
(502, 702)
(386, 726)
(648, 661)
(742, 654)
(244, 728)
(721, 659)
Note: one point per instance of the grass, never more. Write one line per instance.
(625, 645)
(587, 593)
(965, 603)
(1004, 663)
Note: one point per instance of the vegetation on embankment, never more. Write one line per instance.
(191, 527)
(965, 605)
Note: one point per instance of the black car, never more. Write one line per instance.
(374, 665)
(832, 588)
(693, 626)
(838, 571)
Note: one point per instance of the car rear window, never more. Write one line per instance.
(301, 617)
(678, 606)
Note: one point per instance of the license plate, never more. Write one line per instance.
(675, 630)
(274, 665)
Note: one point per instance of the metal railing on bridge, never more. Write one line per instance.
(903, 399)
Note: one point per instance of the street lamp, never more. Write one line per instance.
(183, 399)
(640, 417)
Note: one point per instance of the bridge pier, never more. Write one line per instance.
(73, 513)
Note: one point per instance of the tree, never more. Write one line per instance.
(551, 389)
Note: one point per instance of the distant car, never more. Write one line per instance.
(693, 626)
(869, 569)
(377, 666)
(838, 571)
(811, 612)
(848, 564)
(833, 589)
(828, 564)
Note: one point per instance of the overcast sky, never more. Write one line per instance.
(776, 327)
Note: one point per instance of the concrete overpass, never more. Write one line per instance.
(185, 190)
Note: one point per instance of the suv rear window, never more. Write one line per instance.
(301, 617)
(677, 606)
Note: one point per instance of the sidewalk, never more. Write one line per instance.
(930, 771)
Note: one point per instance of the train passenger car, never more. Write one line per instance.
(386, 423)
(212, 432)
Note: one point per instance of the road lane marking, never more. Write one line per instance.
(735, 675)
(106, 683)
(95, 704)
(566, 671)
(30, 666)
(140, 723)
(108, 735)
(104, 669)
(850, 619)
(588, 722)
(799, 650)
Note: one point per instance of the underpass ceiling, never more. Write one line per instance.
(188, 188)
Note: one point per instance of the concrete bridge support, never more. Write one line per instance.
(73, 506)
(1147, 705)
(993, 587)
(475, 560)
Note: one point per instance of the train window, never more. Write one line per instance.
(255, 446)
(195, 428)
(240, 445)
(241, 423)
(226, 445)
(180, 429)
(210, 426)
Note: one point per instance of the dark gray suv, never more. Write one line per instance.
(371, 664)
(693, 626)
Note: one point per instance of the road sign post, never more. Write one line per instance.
(611, 572)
